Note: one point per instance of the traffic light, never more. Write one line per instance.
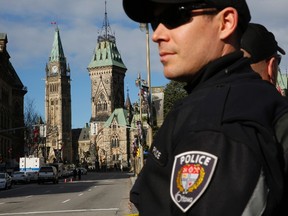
(138, 152)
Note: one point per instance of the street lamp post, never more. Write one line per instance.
(145, 27)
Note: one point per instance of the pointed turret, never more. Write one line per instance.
(129, 108)
(57, 53)
(106, 52)
(107, 72)
(128, 104)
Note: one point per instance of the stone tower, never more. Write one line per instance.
(107, 72)
(58, 104)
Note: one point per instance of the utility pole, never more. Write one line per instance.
(145, 27)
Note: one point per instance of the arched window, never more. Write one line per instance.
(114, 141)
(101, 103)
(99, 106)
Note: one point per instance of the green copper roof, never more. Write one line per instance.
(3, 36)
(57, 53)
(106, 54)
(120, 115)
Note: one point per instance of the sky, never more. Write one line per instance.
(30, 38)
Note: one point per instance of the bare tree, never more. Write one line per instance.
(31, 118)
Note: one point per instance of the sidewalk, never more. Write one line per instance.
(131, 208)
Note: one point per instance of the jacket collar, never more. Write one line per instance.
(220, 69)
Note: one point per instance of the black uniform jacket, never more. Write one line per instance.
(215, 153)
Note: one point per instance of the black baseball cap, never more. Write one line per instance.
(142, 10)
(259, 43)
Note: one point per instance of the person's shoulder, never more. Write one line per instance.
(256, 101)
(256, 88)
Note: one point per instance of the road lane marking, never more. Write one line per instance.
(60, 211)
(66, 201)
(80, 194)
(28, 196)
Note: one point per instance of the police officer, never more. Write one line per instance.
(261, 47)
(264, 53)
(215, 153)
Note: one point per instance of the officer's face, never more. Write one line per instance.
(186, 48)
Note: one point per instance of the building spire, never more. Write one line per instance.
(128, 102)
(57, 53)
(106, 52)
(106, 22)
(106, 32)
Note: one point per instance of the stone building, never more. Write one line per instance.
(58, 104)
(84, 145)
(12, 93)
(109, 136)
(75, 145)
(114, 122)
(158, 104)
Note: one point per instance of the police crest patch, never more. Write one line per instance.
(191, 174)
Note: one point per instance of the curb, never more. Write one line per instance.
(131, 207)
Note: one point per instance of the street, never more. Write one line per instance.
(97, 194)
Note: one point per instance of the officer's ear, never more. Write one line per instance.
(228, 21)
(272, 69)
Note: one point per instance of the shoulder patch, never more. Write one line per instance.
(191, 174)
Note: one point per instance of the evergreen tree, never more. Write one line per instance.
(173, 92)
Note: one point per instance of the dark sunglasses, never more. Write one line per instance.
(176, 16)
(278, 58)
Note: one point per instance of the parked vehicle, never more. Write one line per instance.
(59, 167)
(48, 174)
(21, 177)
(67, 173)
(83, 170)
(33, 176)
(30, 164)
(5, 180)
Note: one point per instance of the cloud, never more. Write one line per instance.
(30, 37)
(273, 15)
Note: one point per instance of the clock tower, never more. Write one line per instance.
(58, 104)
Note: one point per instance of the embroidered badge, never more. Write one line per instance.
(191, 174)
